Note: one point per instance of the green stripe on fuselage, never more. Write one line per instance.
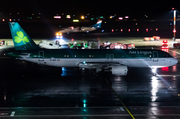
(96, 53)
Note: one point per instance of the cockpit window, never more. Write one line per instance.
(167, 55)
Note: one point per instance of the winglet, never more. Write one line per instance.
(20, 38)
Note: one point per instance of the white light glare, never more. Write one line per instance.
(153, 70)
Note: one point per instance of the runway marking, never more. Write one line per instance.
(119, 99)
(12, 113)
(168, 75)
(93, 115)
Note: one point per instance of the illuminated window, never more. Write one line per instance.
(64, 55)
(89, 55)
(74, 55)
(67, 55)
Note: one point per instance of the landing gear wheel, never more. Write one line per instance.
(154, 74)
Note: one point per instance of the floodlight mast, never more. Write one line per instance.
(174, 30)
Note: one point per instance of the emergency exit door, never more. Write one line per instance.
(110, 56)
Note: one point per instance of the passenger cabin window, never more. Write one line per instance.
(52, 59)
(64, 55)
(89, 55)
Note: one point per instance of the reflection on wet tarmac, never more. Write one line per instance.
(46, 87)
(154, 89)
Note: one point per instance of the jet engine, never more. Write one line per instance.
(119, 70)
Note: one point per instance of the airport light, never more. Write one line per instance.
(82, 17)
(68, 16)
(57, 17)
(75, 20)
(58, 35)
(101, 17)
(111, 16)
(120, 18)
(126, 17)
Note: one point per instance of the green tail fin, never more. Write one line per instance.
(20, 38)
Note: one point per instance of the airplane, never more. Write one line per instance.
(82, 29)
(117, 61)
(49, 45)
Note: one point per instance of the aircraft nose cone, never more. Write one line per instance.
(175, 61)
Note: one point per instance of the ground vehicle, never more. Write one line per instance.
(176, 45)
(148, 39)
(109, 45)
(130, 46)
(2, 42)
(154, 38)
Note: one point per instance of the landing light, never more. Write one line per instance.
(153, 70)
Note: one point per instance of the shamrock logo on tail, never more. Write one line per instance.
(21, 38)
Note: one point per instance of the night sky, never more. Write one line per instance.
(122, 7)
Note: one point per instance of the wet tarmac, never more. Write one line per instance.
(30, 91)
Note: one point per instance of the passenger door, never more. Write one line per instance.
(41, 55)
(155, 56)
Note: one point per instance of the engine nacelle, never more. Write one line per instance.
(119, 70)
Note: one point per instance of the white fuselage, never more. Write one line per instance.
(74, 62)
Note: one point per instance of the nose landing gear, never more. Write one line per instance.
(154, 71)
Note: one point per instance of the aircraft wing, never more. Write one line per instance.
(115, 67)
